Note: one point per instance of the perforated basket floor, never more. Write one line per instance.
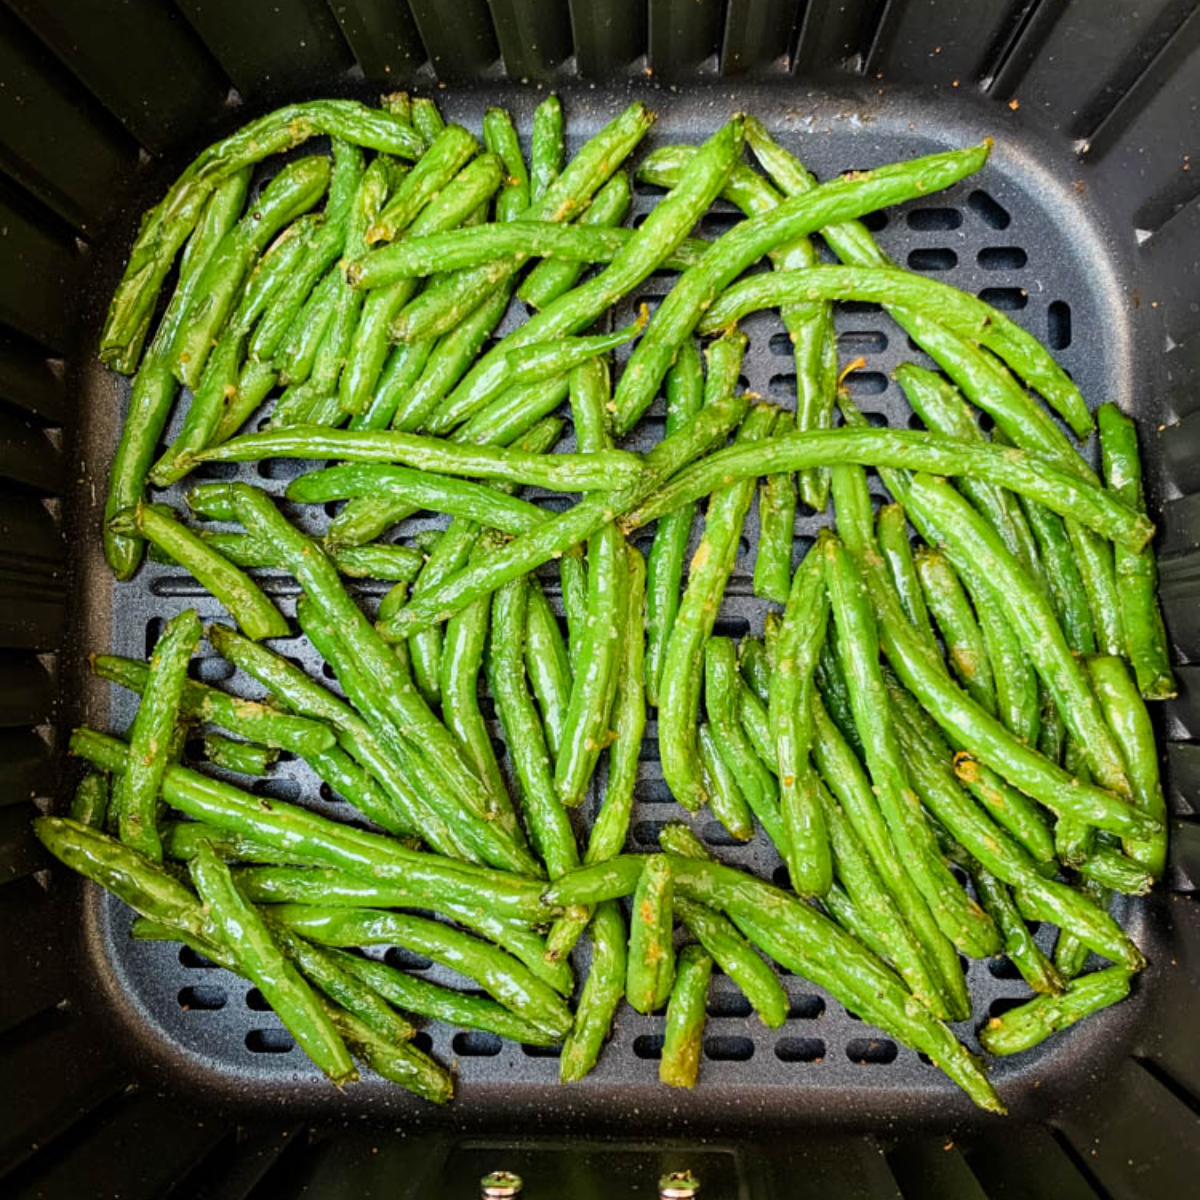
(1022, 235)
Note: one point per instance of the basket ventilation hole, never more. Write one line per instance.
(1002, 968)
(648, 1045)
(728, 1049)
(278, 789)
(541, 1051)
(269, 1041)
(203, 999)
(406, 960)
(645, 833)
(1004, 1004)
(1058, 319)
(932, 258)
(192, 961)
(871, 1051)
(256, 1001)
(210, 669)
(928, 220)
(1002, 258)
(422, 1041)
(866, 383)
(862, 341)
(805, 1008)
(1006, 299)
(476, 1044)
(990, 212)
(728, 1004)
(800, 1050)
(329, 795)
(717, 835)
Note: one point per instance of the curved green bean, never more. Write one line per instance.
(650, 969)
(600, 997)
(680, 1062)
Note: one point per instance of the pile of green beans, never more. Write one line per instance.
(941, 730)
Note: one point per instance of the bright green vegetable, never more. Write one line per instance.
(246, 758)
(680, 1062)
(725, 797)
(546, 147)
(650, 971)
(89, 804)
(1024, 1027)
(601, 994)
(776, 528)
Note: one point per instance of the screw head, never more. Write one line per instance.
(500, 1185)
(678, 1185)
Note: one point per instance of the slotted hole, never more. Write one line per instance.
(269, 1041)
(641, 188)
(215, 470)
(541, 1051)
(729, 1004)
(805, 1008)
(716, 834)
(203, 999)
(990, 211)
(915, 422)
(329, 795)
(1005, 299)
(800, 1050)
(278, 789)
(731, 627)
(715, 224)
(1058, 323)
(928, 220)
(211, 669)
(861, 306)
(648, 1045)
(406, 960)
(875, 221)
(932, 258)
(333, 507)
(474, 1043)
(256, 1001)
(721, 1048)
(876, 421)
(281, 468)
(871, 1051)
(654, 791)
(1002, 968)
(780, 344)
(862, 341)
(192, 961)
(422, 1041)
(782, 387)
(154, 628)
(780, 877)
(1004, 1004)
(866, 383)
(645, 833)
(1002, 258)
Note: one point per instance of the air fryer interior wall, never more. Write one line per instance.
(1084, 226)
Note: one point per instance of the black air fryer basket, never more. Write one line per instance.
(136, 1070)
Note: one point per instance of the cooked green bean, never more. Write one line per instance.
(680, 1062)
(806, 839)
(650, 970)
(594, 471)
(546, 146)
(246, 758)
(1071, 954)
(679, 696)
(891, 532)
(231, 586)
(89, 804)
(725, 797)
(546, 661)
(601, 994)
(243, 933)
(1024, 1027)
(547, 821)
(181, 841)
(1020, 948)
(500, 137)
(1062, 490)
(1115, 872)
(426, 119)
(501, 975)
(135, 797)
(399, 1063)
(529, 551)
(611, 824)
(750, 239)
(1136, 573)
(776, 528)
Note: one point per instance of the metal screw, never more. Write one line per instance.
(678, 1185)
(500, 1185)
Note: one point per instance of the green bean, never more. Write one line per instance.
(562, 472)
(546, 147)
(448, 152)
(243, 933)
(253, 721)
(650, 970)
(1035, 477)
(512, 413)
(600, 997)
(254, 384)
(959, 918)
(1071, 954)
(550, 279)
(170, 222)
(547, 821)
(595, 672)
(725, 796)
(441, 1003)
(1026, 1026)
(1115, 872)
(1029, 611)
(680, 1062)
(500, 137)
(181, 841)
(960, 312)
(546, 661)
(89, 804)
(966, 648)
(154, 388)
(710, 568)
(294, 190)
(1136, 573)
(831, 684)
(1094, 557)
(736, 250)
(891, 532)
(501, 975)
(923, 954)
(135, 798)
(246, 758)
(529, 551)
(941, 406)
(572, 574)
(231, 586)
(776, 524)
(399, 375)
(1130, 724)
(611, 824)
(664, 566)
(450, 551)
(273, 271)
(1022, 951)
(217, 384)
(301, 343)
(806, 839)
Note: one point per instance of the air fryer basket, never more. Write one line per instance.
(134, 1068)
